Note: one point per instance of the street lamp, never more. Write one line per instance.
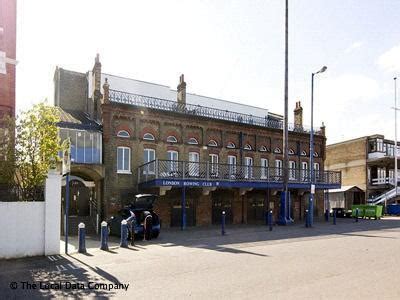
(312, 185)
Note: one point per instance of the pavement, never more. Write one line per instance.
(345, 261)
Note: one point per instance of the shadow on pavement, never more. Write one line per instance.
(66, 275)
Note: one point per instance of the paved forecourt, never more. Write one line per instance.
(347, 261)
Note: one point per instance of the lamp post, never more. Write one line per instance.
(312, 184)
(395, 136)
(283, 211)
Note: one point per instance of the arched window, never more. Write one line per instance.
(123, 134)
(172, 139)
(316, 154)
(212, 143)
(231, 145)
(247, 147)
(291, 152)
(148, 137)
(193, 141)
(277, 150)
(304, 153)
(263, 149)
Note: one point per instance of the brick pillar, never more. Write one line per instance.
(96, 81)
(162, 208)
(204, 210)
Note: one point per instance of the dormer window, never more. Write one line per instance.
(247, 147)
(148, 137)
(123, 134)
(192, 141)
(212, 143)
(172, 139)
(277, 150)
(231, 145)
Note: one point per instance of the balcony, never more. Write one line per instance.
(384, 180)
(204, 174)
(202, 111)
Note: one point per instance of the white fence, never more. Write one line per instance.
(32, 228)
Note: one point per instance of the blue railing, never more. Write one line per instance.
(202, 111)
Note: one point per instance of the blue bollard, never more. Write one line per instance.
(124, 234)
(104, 236)
(307, 218)
(326, 215)
(266, 215)
(270, 220)
(81, 238)
(357, 214)
(334, 217)
(223, 223)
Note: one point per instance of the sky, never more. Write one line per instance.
(232, 50)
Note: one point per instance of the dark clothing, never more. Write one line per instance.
(147, 225)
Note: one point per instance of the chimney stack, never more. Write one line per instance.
(106, 88)
(96, 86)
(298, 115)
(181, 96)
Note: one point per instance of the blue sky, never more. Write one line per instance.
(232, 50)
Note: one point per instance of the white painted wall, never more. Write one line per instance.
(32, 228)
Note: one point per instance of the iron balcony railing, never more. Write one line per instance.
(173, 169)
(203, 111)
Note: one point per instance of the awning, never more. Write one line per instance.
(346, 188)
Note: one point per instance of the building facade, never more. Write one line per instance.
(8, 17)
(201, 155)
(366, 162)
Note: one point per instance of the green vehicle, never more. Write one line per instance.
(367, 211)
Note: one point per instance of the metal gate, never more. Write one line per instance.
(255, 209)
(176, 214)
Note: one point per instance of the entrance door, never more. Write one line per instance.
(221, 202)
(176, 214)
(79, 199)
(255, 209)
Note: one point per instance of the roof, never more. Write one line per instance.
(346, 188)
(76, 120)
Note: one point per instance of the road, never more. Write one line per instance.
(347, 261)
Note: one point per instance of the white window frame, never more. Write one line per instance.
(128, 169)
(316, 170)
(277, 150)
(304, 170)
(278, 167)
(247, 147)
(263, 149)
(212, 143)
(264, 168)
(173, 157)
(193, 141)
(231, 146)
(123, 134)
(248, 171)
(292, 170)
(213, 159)
(172, 139)
(232, 161)
(148, 137)
(150, 168)
(193, 165)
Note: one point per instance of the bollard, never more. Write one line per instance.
(81, 238)
(334, 217)
(124, 234)
(326, 215)
(223, 223)
(307, 218)
(270, 220)
(266, 215)
(104, 236)
(357, 214)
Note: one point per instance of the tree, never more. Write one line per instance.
(37, 144)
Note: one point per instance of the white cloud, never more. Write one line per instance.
(354, 46)
(390, 60)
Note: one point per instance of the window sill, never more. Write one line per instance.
(124, 172)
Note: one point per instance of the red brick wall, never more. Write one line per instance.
(204, 210)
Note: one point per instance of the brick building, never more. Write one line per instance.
(366, 162)
(8, 16)
(198, 153)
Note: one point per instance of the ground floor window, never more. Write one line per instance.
(123, 160)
